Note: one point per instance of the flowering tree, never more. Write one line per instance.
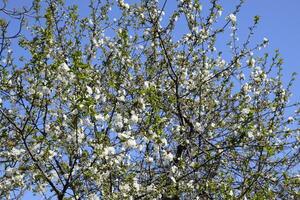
(137, 101)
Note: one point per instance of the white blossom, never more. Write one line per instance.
(169, 156)
(9, 171)
(51, 154)
(136, 185)
(17, 152)
(174, 169)
(124, 135)
(146, 84)
(89, 90)
(232, 18)
(134, 118)
(118, 121)
(91, 22)
(164, 141)
(245, 111)
(121, 98)
(109, 151)
(123, 4)
(290, 119)
(250, 134)
(251, 62)
(198, 126)
(93, 196)
(97, 96)
(64, 67)
(149, 159)
(173, 179)
(99, 117)
(131, 143)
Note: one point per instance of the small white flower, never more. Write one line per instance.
(173, 179)
(134, 118)
(174, 169)
(97, 96)
(149, 159)
(191, 184)
(47, 127)
(93, 196)
(119, 121)
(142, 102)
(109, 151)
(213, 125)
(193, 164)
(95, 42)
(290, 119)
(17, 152)
(99, 117)
(125, 187)
(89, 90)
(246, 88)
(123, 4)
(232, 18)
(245, 111)
(45, 90)
(136, 185)
(251, 62)
(121, 98)
(242, 76)
(220, 12)
(124, 135)
(9, 82)
(146, 84)
(140, 47)
(126, 6)
(91, 22)
(266, 40)
(198, 126)
(64, 67)
(9, 171)
(80, 136)
(131, 143)
(250, 135)
(169, 156)
(51, 154)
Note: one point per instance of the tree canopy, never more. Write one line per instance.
(150, 99)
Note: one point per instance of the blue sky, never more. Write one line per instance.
(280, 23)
